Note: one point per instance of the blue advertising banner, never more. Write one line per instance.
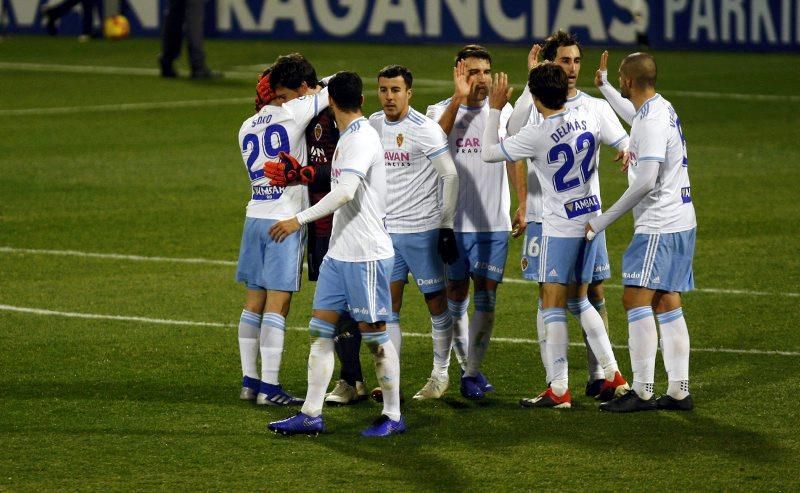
(758, 25)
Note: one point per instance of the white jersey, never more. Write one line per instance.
(656, 135)
(533, 200)
(262, 137)
(601, 109)
(608, 120)
(483, 197)
(358, 233)
(412, 183)
(563, 151)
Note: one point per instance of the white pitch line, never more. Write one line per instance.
(152, 72)
(161, 321)
(178, 260)
(193, 103)
(116, 256)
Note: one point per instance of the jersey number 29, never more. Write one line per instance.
(275, 140)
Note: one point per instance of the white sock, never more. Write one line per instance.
(480, 331)
(596, 334)
(442, 334)
(541, 334)
(675, 350)
(387, 369)
(320, 365)
(249, 330)
(273, 330)
(594, 367)
(643, 344)
(555, 322)
(458, 311)
(395, 334)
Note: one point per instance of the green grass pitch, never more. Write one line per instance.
(96, 156)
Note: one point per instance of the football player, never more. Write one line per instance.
(355, 273)
(271, 270)
(657, 266)
(418, 163)
(481, 222)
(562, 150)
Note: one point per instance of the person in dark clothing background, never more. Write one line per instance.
(52, 13)
(184, 16)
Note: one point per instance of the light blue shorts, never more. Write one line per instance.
(362, 288)
(566, 260)
(265, 264)
(660, 261)
(533, 245)
(530, 251)
(480, 254)
(417, 253)
(602, 267)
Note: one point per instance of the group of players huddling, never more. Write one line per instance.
(428, 194)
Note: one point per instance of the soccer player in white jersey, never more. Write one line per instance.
(270, 271)
(657, 266)
(482, 221)
(564, 49)
(355, 273)
(563, 151)
(418, 162)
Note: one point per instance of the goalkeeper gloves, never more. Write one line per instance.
(447, 246)
(287, 171)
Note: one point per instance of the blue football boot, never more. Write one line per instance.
(250, 388)
(274, 395)
(383, 427)
(470, 388)
(299, 424)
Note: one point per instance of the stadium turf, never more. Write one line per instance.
(120, 370)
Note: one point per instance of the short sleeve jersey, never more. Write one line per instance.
(609, 122)
(358, 232)
(657, 137)
(607, 118)
(483, 197)
(409, 145)
(563, 151)
(261, 137)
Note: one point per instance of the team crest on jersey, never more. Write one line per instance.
(317, 131)
(524, 263)
(400, 139)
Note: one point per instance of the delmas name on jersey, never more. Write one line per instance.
(566, 128)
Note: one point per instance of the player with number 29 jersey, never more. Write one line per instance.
(262, 137)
